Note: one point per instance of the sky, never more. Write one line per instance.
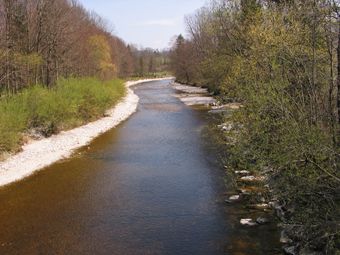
(145, 23)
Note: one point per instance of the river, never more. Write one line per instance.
(149, 186)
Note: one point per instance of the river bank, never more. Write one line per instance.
(38, 154)
(259, 188)
(152, 185)
(247, 191)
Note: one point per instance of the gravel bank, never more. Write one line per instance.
(191, 95)
(42, 153)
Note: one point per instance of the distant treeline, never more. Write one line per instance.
(43, 40)
(281, 60)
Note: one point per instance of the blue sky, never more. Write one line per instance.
(147, 23)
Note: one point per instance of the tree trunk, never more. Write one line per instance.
(8, 9)
(338, 69)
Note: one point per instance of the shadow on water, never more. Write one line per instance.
(149, 186)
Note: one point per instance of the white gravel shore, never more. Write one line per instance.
(191, 95)
(42, 153)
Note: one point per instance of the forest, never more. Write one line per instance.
(281, 60)
(42, 41)
(50, 48)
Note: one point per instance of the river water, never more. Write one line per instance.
(150, 186)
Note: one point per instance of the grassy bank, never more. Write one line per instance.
(71, 103)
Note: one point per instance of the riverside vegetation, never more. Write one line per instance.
(70, 103)
(60, 67)
(280, 59)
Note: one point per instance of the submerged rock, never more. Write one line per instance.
(308, 251)
(262, 220)
(227, 201)
(274, 204)
(290, 250)
(284, 238)
(280, 212)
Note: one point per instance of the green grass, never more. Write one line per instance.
(71, 103)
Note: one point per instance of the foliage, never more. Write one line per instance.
(279, 58)
(71, 103)
(101, 56)
(41, 41)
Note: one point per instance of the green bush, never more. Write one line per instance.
(70, 103)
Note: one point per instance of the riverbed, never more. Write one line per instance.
(150, 186)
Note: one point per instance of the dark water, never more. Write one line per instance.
(149, 186)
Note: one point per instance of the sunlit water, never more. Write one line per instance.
(149, 186)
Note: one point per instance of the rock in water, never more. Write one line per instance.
(227, 201)
(262, 220)
(285, 238)
(234, 197)
(251, 178)
(248, 222)
(290, 250)
(261, 207)
(242, 172)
